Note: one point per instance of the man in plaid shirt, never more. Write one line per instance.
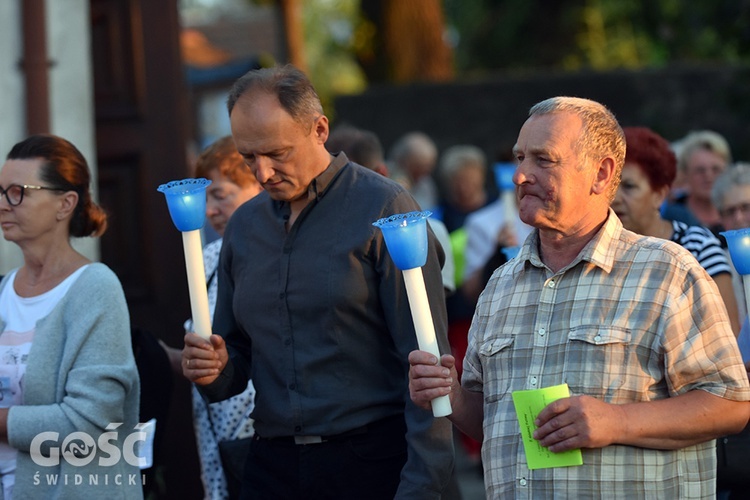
(632, 324)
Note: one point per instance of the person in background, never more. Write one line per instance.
(155, 372)
(66, 364)
(217, 424)
(462, 175)
(486, 234)
(364, 147)
(489, 231)
(630, 323)
(702, 156)
(731, 196)
(360, 146)
(647, 177)
(312, 308)
(413, 160)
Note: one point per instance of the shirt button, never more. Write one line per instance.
(282, 295)
(522, 482)
(292, 387)
(542, 331)
(551, 284)
(598, 338)
(297, 428)
(288, 342)
(533, 381)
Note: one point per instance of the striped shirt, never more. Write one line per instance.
(704, 246)
(631, 319)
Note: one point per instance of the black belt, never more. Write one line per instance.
(303, 440)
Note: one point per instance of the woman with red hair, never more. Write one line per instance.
(647, 176)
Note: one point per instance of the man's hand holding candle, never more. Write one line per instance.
(203, 360)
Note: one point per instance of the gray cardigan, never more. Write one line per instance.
(80, 378)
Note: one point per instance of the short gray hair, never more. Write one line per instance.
(736, 175)
(455, 158)
(601, 134)
(414, 144)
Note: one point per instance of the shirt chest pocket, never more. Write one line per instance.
(596, 361)
(497, 367)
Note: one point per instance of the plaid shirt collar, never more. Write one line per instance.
(597, 251)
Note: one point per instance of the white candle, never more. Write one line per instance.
(425, 328)
(196, 274)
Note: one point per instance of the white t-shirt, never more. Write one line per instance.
(21, 315)
(482, 228)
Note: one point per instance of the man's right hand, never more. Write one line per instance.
(203, 360)
(429, 380)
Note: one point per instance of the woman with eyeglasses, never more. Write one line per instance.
(70, 388)
(731, 196)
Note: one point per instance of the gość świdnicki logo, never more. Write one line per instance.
(79, 448)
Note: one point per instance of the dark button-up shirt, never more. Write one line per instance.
(319, 318)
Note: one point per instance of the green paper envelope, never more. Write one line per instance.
(528, 405)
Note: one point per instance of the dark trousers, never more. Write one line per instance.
(364, 465)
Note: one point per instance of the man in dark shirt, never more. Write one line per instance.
(311, 306)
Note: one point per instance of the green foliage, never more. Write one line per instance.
(597, 34)
(330, 43)
(332, 33)
(529, 35)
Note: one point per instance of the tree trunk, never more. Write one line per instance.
(291, 12)
(409, 43)
(412, 41)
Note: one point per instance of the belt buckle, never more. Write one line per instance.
(308, 440)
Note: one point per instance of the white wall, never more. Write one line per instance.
(71, 91)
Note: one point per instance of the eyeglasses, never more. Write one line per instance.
(702, 170)
(730, 212)
(14, 193)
